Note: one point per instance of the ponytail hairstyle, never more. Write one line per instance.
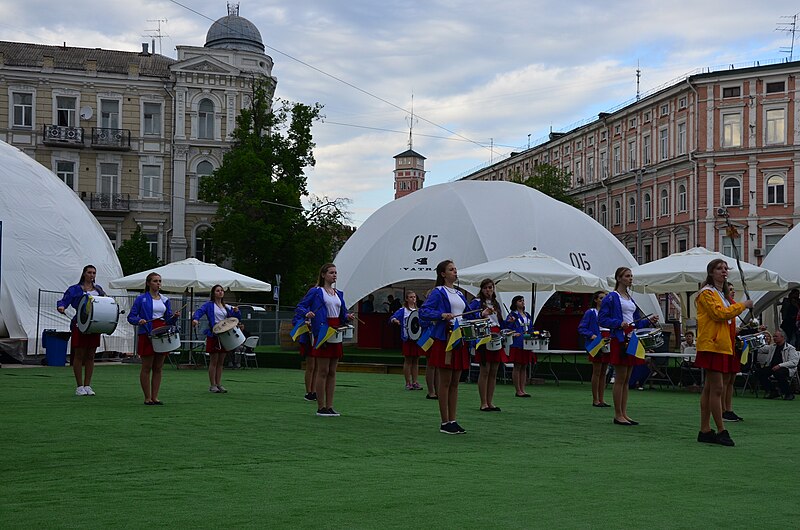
(321, 278)
(148, 279)
(211, 294)
(713, 264)
(405, 299)
(83, 273)
(440, 268)
(595, 299)
(618, 274)
(489, 302)
(514, 302)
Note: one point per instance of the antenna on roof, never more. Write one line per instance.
(156, 34)
(788, 28)
(638, 77)
(411, 121)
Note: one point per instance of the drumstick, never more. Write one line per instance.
(467, 313)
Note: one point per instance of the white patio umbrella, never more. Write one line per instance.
(192, 274)
(532, 270)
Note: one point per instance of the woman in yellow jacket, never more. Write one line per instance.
(716, 329)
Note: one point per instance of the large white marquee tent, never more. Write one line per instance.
(48, 235)
(472, 222)
(784, 259)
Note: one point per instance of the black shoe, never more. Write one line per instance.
(631, 422)
(605, 405)
(728, 415)
(332, 412)
(323, 412)
(494, 409)
(788, 397)
(431, 397)
(724, 438)
(314, 396)
(448, 428)
(709, 437)
(617, 422)
(738, 418)
(309, 396)
(599, 405)
(487, 409)
(459, 428)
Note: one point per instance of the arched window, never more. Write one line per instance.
(776, 190)
(617, 213)
(202, 244)
(205, 119)
(204, 169)
(664, 200)
(647, 206)
(603, 215)
(632, 209)
(682, 198)
(731, 192)
(590, 212)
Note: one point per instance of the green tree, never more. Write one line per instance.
(134, 254)
(261, 223)
(551, 181)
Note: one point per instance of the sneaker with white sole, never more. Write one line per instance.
(88, 390)
(214, 389)
(80, 391)
(221, 389)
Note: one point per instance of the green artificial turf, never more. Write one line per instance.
(259, 457)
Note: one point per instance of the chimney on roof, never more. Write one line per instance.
(48, 63)
(91, 65)
(144, 49)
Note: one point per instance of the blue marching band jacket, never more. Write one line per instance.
(143, 309)
(207, 310)
(517, 327)
(72, 298)
(610, 316)
(430, 314)
(314, 300)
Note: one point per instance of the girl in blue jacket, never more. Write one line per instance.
(411, 350)
(215, 311)
(521, 323)
(589, 329)
(485, 305)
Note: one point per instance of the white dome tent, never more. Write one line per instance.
(48, 236)
(472, 222)
(783, 259)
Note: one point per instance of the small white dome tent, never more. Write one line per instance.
(783, 259)
(48, 236)
(472, 222)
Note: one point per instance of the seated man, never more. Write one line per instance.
(778, 360)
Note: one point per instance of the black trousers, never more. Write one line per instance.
(781, 377)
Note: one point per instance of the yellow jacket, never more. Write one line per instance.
(713, 326)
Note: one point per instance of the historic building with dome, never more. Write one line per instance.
(132, 133)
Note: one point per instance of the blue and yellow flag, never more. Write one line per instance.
(594, 347)
(483, 340)
(299, 329)
(745, 352)
(324, 334)
(425, 340)
(455, 337)
(635, 347)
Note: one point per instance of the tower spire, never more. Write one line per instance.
(411, 122)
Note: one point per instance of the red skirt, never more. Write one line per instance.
(305, 349)
(602, 358)
(213, 345)
(520, 356)
(482, 355)
(412, 349)
(329, 350)
(618, 357)
(145, 345)
(717, 362)
(459, 356)
(84, 340)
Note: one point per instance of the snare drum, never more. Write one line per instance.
(755, 340)
(650, 338)
(97, 314)
(346, 332)
(412, 326)
(495, 343)
(474, 329)
(165, 339)
(529, 342)
(229, 335)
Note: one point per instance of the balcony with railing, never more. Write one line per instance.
(103, 138)
(62, 135)
(107, 202)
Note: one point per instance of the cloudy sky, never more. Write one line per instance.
(485, 76)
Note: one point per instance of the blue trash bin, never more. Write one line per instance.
(55, 347)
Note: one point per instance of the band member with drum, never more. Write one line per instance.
(151, 310)
(727, 393)
(620, 314)
(521, 323)
(716, 331)
(411, 350)
(485, 305)
(589, 329)
(441, 311)
(215, 310)
(84, 345)
(324, 306)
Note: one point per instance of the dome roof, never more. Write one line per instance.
(234, 32)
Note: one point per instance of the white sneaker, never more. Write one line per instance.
(80, 391)
(613, 379)
(214, 389)
(88, 391)
(221, 389)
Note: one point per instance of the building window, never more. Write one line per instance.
(23, 109)
(578, 174)
(776, 126)
(617, 161)
(590, 169)
(152, 119)
(204, 169)
(590, 141)
(663, 143)
(603, 215)
(770, 240)
(109, 113)
(665, 109)
(603, 165)
(664, 249)
(152, 244)
(66, 111)
(590, 212)
(578, 145)
(731, 92)
(617, 128)
(109, 178)
(731, 192)
(776, 86)
(682, 103)
(727, 246)
(646, 150)
(682, 198)
(151, 182)
(731, 130)
(681, 245)
(632, 210)
(776, 190)
(617, 213)
(664, 202)
(648, 254)
(65, 170)
(205, 119)
(682, 138)
(632, 123)
(603, 135)
(632, 154)
(566, 149)
(202, 244)
(647, 207)
(647, 116)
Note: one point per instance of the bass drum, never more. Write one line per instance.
(413, 327)
(97, 314)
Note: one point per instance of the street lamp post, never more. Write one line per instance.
(639, 213)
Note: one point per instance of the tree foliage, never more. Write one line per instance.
(261, 223)
(551, 181)
(134, 254)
